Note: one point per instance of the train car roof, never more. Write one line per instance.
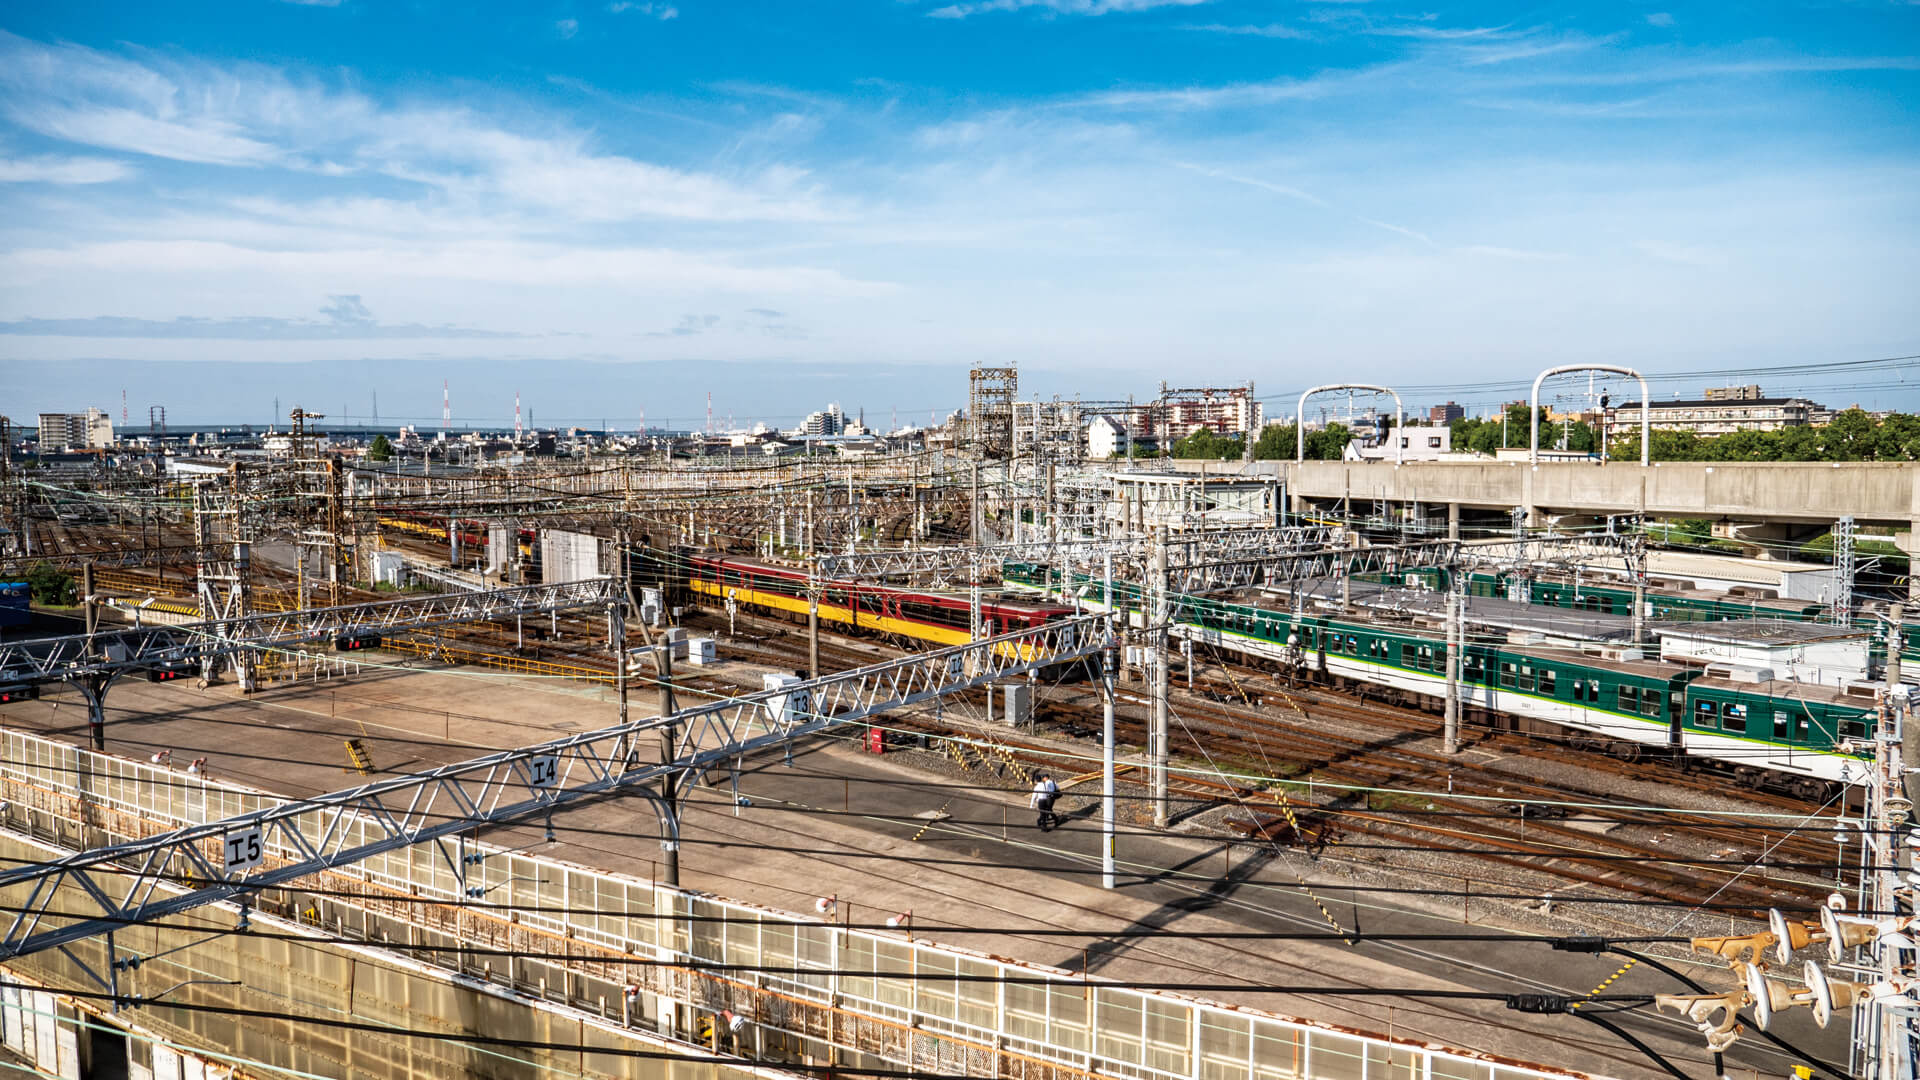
(1549, 656)
(1789, 688)
(1487, 611)
(1765, 632)
(1504, 614)
(999, 599)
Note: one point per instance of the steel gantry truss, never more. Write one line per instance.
(1290, 567)
(78, 655)
(1077, 551)
(92, 662)
(237, 856)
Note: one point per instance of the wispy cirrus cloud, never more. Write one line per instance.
(346, 319)
(251, 117)
(1288, 190)
(1266, 30)
(53, 169)
(1056, 7)
(663, 12)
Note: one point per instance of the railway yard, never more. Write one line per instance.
(1479, 802)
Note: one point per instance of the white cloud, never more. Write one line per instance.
(62, 170)
(1278, 189)
(253, 117)
(663, 12)
(1400, 229)
(1060, 7)
(1269, 30)
(1493, 252)
(1659, 18)
(567, 27)
(514, 263)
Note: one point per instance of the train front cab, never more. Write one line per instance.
(1790, 730)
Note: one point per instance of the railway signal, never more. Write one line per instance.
(173, 669)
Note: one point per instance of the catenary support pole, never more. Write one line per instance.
(1157, 634)
(1456, 640)
(670, 782)
(1107, 661)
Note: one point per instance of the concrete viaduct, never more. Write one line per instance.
(1751, 501)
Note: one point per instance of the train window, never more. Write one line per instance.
(1629, 699)
(1506, 675)
(1409, 656)
(1782, 724)
(1650, 702)
(1353, 645)
(1546, 682)
(1526, 676)
(1706, 714)
(1734, 717)
(1854, 727)
(1427, 662)
(1579, 690)
(1801, 732)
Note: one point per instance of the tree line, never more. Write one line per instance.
(1853, 435)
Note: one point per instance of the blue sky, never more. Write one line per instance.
(618, 207)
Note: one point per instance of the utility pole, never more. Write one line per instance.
(974, 517)
(670, 782)
(1909, 770)
(1107, 660)
(813, 597)
(92, 605)
(1888, 1027)
(1157, 634)
(1456, 642)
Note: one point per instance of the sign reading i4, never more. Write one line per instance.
(243, 850)
(544, 770)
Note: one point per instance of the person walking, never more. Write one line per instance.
(1045, 791)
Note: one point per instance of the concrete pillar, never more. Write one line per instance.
(1905, 541)
(1453, 521)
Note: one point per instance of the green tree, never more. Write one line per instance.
(1206, 443)
(1329, 443)
(381, 450)
(1744, 446)
(50, 585)
(1850, 437)
(1276, 443)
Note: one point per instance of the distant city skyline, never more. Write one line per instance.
(617, 207)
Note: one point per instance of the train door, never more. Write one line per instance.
(1677, 710)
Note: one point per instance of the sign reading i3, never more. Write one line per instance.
(243, 850)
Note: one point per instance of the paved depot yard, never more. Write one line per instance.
(840, 821)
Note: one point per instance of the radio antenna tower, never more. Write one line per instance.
(123, 407)
(446, 406)
(709, 412)
(518, 431)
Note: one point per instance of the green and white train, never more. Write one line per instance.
(1775, 734)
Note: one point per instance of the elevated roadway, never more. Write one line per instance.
(1753, 497)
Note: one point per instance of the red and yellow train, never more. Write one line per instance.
(931, 617)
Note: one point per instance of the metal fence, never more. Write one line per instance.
(927, 1006)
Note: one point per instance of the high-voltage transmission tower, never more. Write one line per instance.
(990, 394)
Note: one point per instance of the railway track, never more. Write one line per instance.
(1451, 806)
(1291, 735)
